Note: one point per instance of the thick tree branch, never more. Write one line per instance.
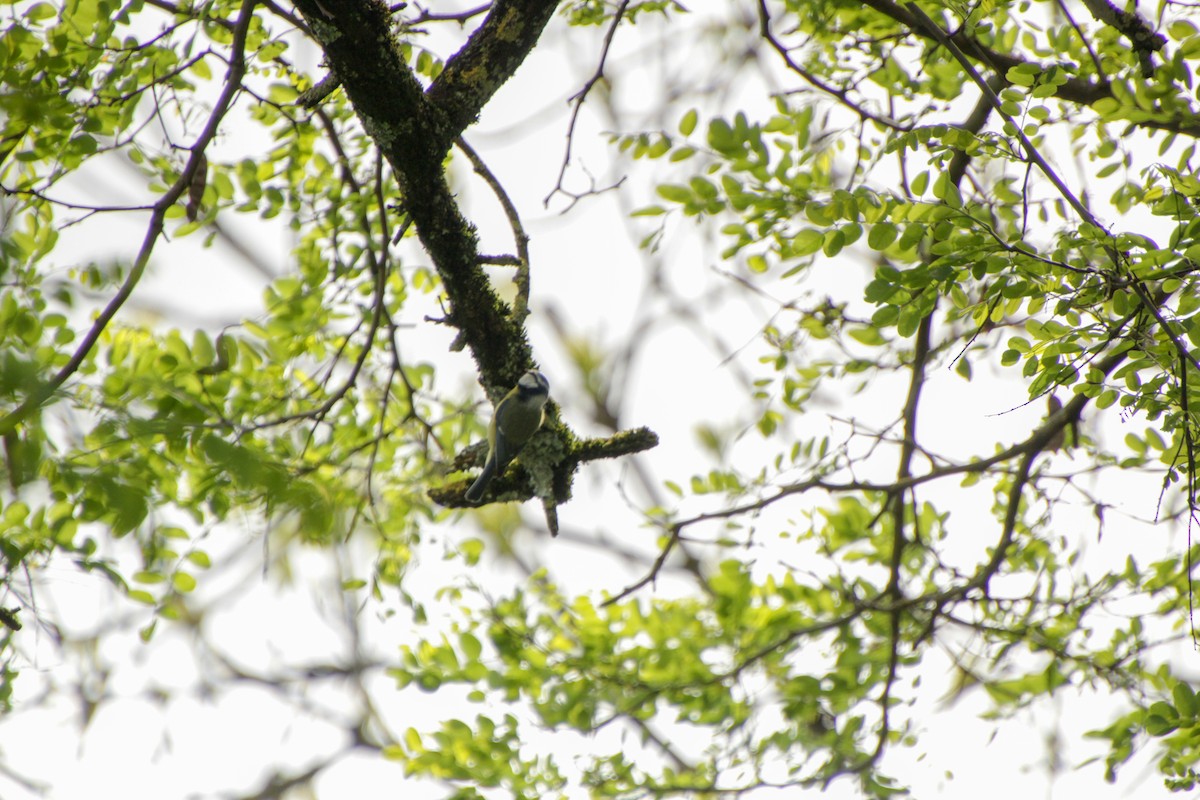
(1076, 90)
(414, 130)
(489, 58)
(1144, 39)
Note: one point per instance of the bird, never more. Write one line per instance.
(517, 417)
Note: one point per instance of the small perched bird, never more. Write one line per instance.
(517, 417)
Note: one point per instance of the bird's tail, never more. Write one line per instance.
(475, 493)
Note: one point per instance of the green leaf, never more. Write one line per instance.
(39, 12)
(881, 236)
(472, 649)
(834, 242)
(688, 123)
(867, 335)
(1157, 726)
(1181, 29)
(140, 596)
(807, 241)
(675, 194)
(1020, 76)
(920, 183)
(1185, 701)
(472, 549)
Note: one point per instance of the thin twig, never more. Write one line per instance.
(1031, 152)
(520, 237)
(578, 98)
(842, 95)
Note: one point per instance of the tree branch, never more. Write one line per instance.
(490, 57)
(414, 129)
(1144, 39)
(1076, 90)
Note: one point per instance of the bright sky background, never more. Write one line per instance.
(587, 269)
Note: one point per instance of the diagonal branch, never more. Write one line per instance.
(489, 58)
(1145, 40)
(841, 94)
(1075, 90)
(414, 129)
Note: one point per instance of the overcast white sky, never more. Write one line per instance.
(165, 735)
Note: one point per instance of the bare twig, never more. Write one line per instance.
(578, 98)
(520, 237)
(842, 95)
